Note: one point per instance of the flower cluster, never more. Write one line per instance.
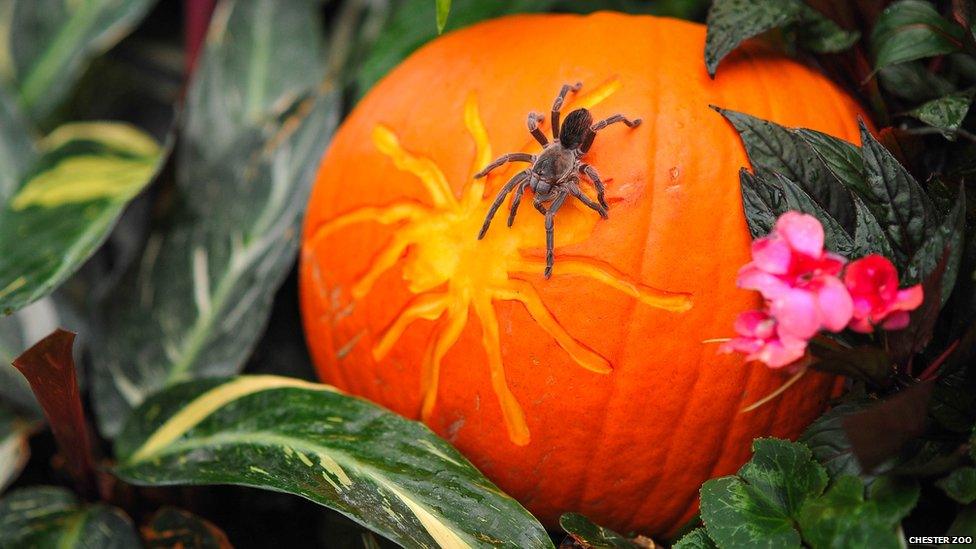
(807, 289)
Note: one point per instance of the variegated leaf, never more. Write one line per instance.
(48, 516)
(392, 475)
(69, 202)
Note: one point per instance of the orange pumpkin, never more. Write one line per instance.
(597, 390)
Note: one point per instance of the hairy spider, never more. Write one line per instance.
(554, 173)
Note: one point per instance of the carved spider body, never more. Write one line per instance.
(555, 172)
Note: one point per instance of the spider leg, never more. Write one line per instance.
(516, 201)
(558, 104)
(550, 234)
(575, 191)
(510, 157)
(591, 133)
(539, 199)
(533, 123)
(591, 172)
(515, 180)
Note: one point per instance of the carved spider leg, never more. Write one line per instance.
(591, 172)
(516, 201)
(558, 104)
(515, 180)
(533, 123)
(510, 157)
(550, 234)
(591, 133)
(575, 191)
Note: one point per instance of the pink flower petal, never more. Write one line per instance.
(752, 278)
(898, 320)
(776, 355)
(836, 306)
(771, 254)
(861, 325)
(803, 232)
(797, 313)
(910, 298)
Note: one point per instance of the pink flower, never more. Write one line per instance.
(798, 278)
(873, 284)
(761, 338)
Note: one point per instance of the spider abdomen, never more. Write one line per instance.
(574, 129)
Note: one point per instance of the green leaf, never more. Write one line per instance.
(842, 518)
(17, 333)
(945, 113)
(914, 82)
(842, 159)
(17, 150)
(964, 524)
(443, 10)
(171, 528)
(50, 43)
(392, 475)
(61, 214)
(696, 539)
(14, 450)
(756, 507)
(47, 516)
(731, 22)
(945, 242)
(911, 29)
(960, 485)
(828, 440)
(200, 297)
(775, 149)
(906, 211)
(592, 536)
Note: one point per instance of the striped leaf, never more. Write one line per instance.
(74, 193)
(48, 44)
(47, 516)
(17, 151)
(392, 475)
(14, 450)
(257, 120)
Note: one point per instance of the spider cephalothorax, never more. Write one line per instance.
(555, 172)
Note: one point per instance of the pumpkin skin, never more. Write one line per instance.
(595, 391)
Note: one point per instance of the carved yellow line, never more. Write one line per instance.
(384, 262)
(384, 215)
(426, 170)
(425, 306)
(661, 299)
(512, 414)
(524, 292)
(443, 534)
(482, 147)
(597, 95)
(206, 404)
(448, 336)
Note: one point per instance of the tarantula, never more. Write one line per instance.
(554, 173)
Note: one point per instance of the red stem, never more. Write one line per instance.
(931, 369)
(50, 369)
(196, 19)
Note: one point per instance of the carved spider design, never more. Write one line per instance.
(554, 173)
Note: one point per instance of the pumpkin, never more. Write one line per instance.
(597, 390)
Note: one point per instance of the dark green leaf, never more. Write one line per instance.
(964, 524)
(960, 485)
(945, 243)
(390, 474)
(894, 498)
(842, 159)
(906, 211)
(841, 518)
(865, 363)
(762, 202)
(911, 29)
(443, 10)
(67, 206)
(592, 536)
(914, 82)
(51, 41)
(47, 516)
(819, 34)
(696, 539)
(200, 297)
(171, 528)
(945, 113)
(775, 149)
(17, 150)
(828, 440)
